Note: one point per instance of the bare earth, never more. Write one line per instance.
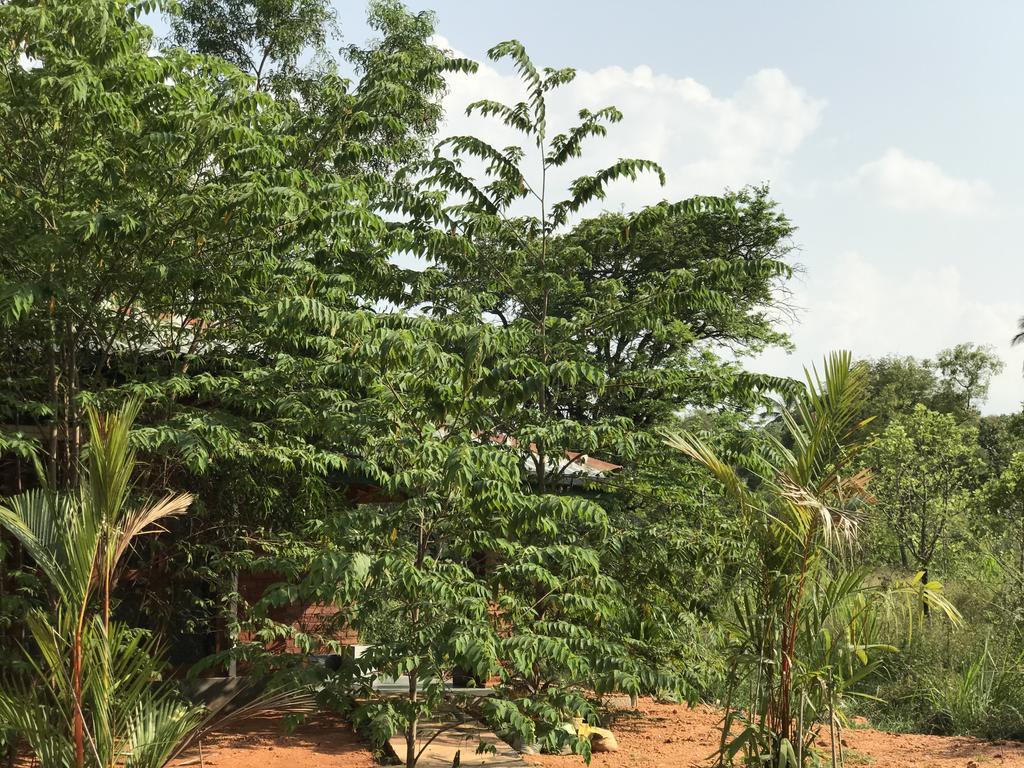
(324, 742)
(673, 736)
(668, 735)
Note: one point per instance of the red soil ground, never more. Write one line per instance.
(674, 736)
(653, 735)
(262, 742)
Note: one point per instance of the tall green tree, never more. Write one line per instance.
(267, 39)
(453, 560)
(1004, 495)
(622, 313)
(967, 371)
(174, 230)
(147, 206)
(464, 566)
(956, 381)
(896, 385)
(1000, 436)
(647, 310)
(618, 322)
(384, 111)
(924, 466)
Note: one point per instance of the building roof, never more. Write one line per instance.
(576, 462)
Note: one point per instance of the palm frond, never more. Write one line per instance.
(138, 522)
(699, 451)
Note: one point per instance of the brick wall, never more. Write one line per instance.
(310, 618)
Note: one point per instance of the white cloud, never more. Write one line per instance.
(909, 184)
(704, 141)
(881, 310)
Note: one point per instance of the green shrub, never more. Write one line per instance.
(985, 697)
(953, 681)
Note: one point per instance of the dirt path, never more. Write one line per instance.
(674, 736)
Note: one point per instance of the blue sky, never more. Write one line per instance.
(888, 132)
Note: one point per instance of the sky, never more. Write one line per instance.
(888, 133)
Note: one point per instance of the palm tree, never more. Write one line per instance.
(1018, 338)
(806, 627)
(95, 697)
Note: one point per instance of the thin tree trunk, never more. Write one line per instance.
(1020, 562)
(833, 736)
(78, 719)
(411, 732)
(233, 607)
(106, 601)
(54, 386)
(413, 726)
(790, 630)
(65, 418)
(924, 600)
(74, 434)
